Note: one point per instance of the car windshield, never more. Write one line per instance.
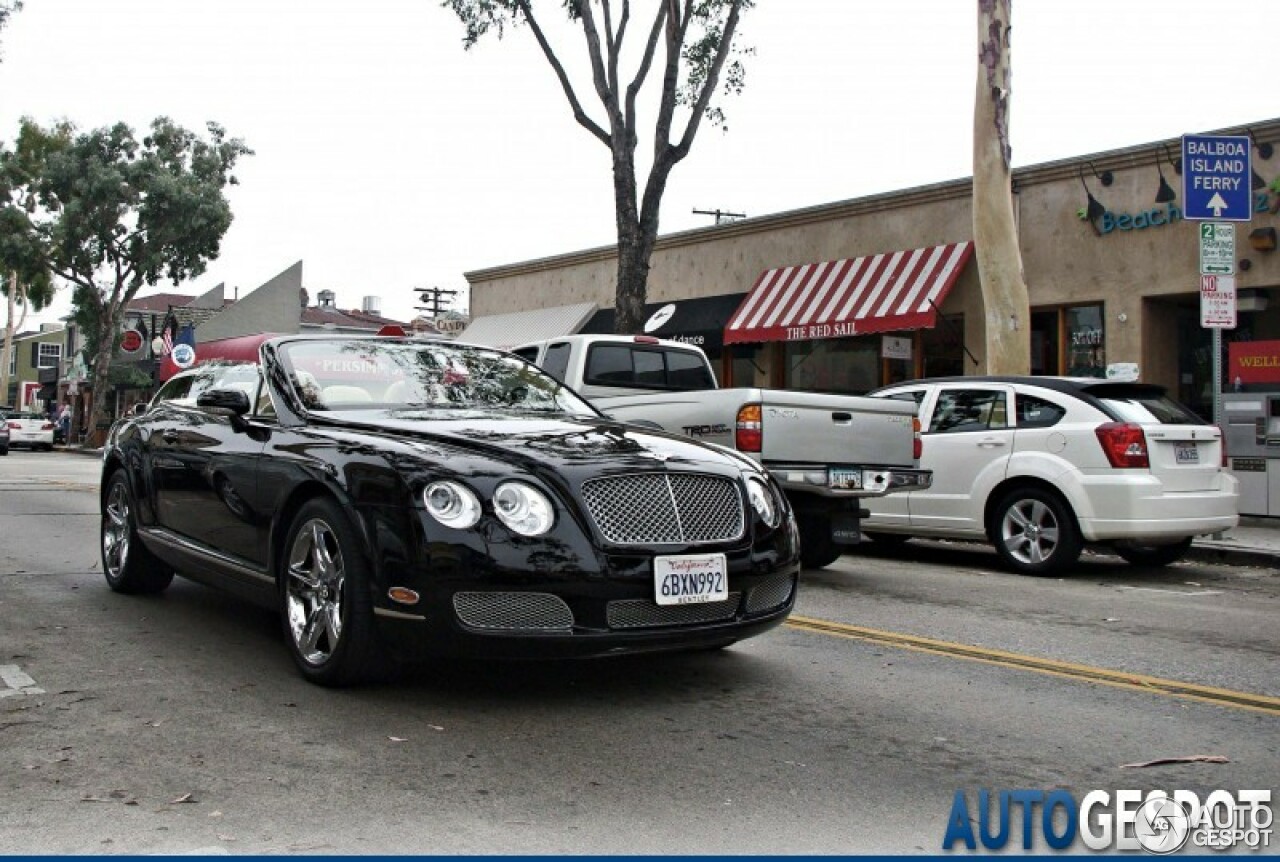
(1144, 404)
(358, 374)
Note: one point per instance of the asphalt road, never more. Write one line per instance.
(177, 723)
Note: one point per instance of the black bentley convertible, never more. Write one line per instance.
(397, 498)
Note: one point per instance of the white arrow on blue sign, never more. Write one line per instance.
(1216, 174)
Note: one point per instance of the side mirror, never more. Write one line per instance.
(140, 408)
(233, 401)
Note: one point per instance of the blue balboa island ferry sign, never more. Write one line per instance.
(1216, 171)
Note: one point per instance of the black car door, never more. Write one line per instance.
(204, 464)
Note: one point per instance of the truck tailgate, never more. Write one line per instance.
(808, 427)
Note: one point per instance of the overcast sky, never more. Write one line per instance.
(388, 158)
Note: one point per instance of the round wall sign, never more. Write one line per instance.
(183, 356)
(131, 341)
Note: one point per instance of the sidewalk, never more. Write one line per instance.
(1255, 542)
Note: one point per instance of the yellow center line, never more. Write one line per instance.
(1050, 667)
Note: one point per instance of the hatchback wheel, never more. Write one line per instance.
(1153, 555)
(127, 564)
(327, 608)
(1035, 532)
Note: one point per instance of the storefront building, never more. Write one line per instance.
(851, 295)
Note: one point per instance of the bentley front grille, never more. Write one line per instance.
(772, 593)
(643, 613)
(513, 612)
(665, 508)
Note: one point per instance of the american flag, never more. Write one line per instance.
(167, 337)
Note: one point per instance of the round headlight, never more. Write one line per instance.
(452, 504)
(523, 508)
(762, 501)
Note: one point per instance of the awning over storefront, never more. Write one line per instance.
(505, 331)
(877, 293)
(699, 321)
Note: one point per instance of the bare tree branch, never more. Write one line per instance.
(578, 113)
(633, 89)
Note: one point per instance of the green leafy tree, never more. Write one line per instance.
(24, 278)
(112, 214)
(691, 41)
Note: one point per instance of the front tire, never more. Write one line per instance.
(1035, 532)
(1153, 556)
(326, 604)
(127, 564)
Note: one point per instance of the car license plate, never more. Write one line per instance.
(689, 579)
(1186, 453)
(842, 479)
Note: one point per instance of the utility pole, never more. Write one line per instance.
(721, 215)
(435, 300)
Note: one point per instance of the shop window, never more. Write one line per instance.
(1085, 341)
(748, 365)
(848, 366)
(1070, 340)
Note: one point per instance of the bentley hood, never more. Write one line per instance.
(561, 442)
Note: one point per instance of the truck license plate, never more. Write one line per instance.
(842, 479)
(1186, 453)
(689, 579)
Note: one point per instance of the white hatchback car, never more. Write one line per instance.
(1038, 466)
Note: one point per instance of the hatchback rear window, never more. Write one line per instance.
(1144, 404)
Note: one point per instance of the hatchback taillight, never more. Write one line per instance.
(15, 426)
(48, 426)
(749, 436)
(1124, 444)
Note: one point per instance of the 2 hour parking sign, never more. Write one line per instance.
(1216, 174)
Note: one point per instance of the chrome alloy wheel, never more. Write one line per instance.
(313, 592)
(115, 532)
(1030, 531)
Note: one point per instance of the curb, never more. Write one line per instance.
(1233, 556)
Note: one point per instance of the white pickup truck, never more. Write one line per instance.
(826, 451)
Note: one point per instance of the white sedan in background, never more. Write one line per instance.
(29, 429)
(1038, 466)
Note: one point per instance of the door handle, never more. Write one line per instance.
(990, 443)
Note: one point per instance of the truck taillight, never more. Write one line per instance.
(1222, 439)
(917, 443)
(749, 436)
(1124, 444)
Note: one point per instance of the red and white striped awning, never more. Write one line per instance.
(877, 293)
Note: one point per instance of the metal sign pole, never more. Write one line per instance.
(1217, 377)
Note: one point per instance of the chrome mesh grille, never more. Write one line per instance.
(513, 611)
(771, 593)
(665, 509)
(644, 613)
